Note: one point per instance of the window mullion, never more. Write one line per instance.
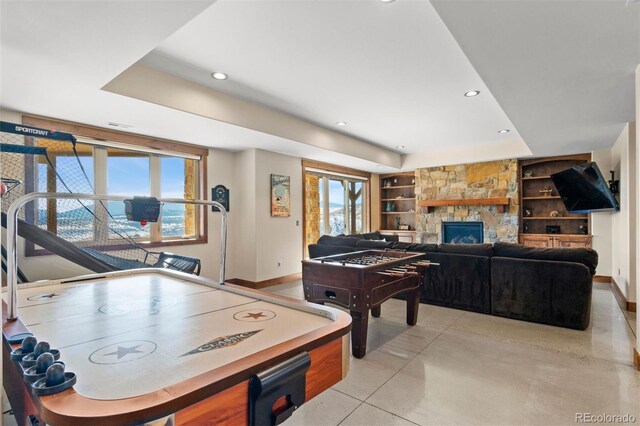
(155, 191)
(100, 179)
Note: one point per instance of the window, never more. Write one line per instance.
(118, 164)
(335, 201)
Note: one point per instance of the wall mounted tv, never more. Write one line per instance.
(583, 189)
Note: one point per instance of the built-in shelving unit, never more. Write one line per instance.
(541, 213)
(398, 205)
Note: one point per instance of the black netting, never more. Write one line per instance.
(39, 164)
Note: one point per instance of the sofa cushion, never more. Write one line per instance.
(421, 248)
(485, 250)
(372, 244)
(585, 256)
(328, 240)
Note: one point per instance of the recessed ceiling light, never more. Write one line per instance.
(379, 165)
(472, 93)
(400, 147)
(341, 123)
(504, 131)
(124, 126)
(387, 1)
(219, 75)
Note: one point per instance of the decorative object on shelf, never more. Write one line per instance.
(555, 213)
(395, 181)
(280, 196)
(389, 207)
(525, 227)
(399, 197)
(547, 191)
(403, 227)
(583, 229)
(413, 181)
(528, 173)
(220, 193)
(553, 229)
(527, 212)
(387, 183)
(411, 211)
(398, 222)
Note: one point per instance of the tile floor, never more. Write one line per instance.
(457, 367)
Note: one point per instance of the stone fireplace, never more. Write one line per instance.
(475, 181)
(462, 232)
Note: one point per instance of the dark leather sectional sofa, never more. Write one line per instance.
(549, 286)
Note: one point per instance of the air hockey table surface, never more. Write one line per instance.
(150, 343)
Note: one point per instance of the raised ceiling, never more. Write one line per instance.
(561, 72)
(392, 71)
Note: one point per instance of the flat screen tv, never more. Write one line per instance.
(583, 189)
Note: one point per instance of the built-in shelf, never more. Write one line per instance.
(536, 231)
(398, 187)
(398, 212)
(555, 218)
(551, 197)
(398, 199)
(536, 177)
(499, 202)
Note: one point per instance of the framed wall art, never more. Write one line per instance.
(280, 196)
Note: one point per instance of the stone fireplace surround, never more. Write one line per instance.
(469, 181)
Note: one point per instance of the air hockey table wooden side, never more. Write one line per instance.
(219, 396)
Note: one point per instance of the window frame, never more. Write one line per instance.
(333, 171)
(148, 145)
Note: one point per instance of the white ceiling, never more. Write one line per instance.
(562, 70)
(393, 71)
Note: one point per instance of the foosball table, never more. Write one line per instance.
(361, 281)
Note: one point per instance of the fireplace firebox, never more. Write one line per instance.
(463, 232)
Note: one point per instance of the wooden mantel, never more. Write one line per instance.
(501, 203)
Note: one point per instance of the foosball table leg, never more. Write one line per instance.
(413, 302)
(360, 321)
(375, 311)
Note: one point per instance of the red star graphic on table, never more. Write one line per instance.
(255, 316)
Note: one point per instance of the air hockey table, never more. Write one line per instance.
(154, 346)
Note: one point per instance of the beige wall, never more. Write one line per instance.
(278, 239)
(623, 252)
(374, 220)
(637, 219)
(601, 222)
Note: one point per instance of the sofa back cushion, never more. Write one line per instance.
(586, 256)
(420, 248)
(485, 250)
(319, 250)
(328, 240)
(373, 244)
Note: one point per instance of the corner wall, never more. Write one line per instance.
(623, 223)
(601, 221)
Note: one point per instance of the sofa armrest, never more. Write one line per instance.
(550, 292)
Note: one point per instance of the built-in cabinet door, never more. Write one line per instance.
(403, 237)
(572, 242)
(536, 241)
(556, 241)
